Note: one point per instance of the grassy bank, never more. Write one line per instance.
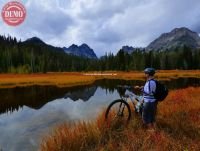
(58, 79)
(73, 78)
(178, 129)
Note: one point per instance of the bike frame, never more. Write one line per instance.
(135, 99)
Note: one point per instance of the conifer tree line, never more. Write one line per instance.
(183, 58)
(22, 57)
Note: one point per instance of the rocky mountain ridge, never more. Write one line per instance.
(178, 37)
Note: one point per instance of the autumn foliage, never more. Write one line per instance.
(178, 129)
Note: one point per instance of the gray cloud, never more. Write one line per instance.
(43, 20)
(105, 25)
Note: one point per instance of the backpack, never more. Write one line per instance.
(161, 91)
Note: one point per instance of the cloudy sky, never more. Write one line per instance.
(105, 25)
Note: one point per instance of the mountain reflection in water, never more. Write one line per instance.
(82, 93)
(37, 96)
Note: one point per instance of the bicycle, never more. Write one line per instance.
(120, 109)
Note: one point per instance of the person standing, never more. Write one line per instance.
(149, 102)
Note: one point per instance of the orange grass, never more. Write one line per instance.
(178, 129)
(58, 79)
(160, 74)
(75, 78)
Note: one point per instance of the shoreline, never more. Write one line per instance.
(68, 79)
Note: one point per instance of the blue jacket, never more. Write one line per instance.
(149, 90)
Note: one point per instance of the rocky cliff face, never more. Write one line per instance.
(83, 51)
(176, 38)
(130, 49)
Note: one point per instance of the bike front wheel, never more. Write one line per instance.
(118, 111)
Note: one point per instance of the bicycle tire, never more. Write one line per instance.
(125, 104)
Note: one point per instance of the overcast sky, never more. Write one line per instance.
(105, 25)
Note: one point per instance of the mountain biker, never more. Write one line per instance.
(149, 102)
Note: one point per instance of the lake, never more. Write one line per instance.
(29, 113)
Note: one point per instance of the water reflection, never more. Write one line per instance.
(37, 96)
(84, 93)
(33, 111)
(182, 83)
(111, 84)
(25, 128)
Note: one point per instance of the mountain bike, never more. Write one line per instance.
(120, 109)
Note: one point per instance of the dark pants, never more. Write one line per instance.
(149, 112)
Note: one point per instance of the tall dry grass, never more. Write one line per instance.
(178, 129)
(57, 79)
(79, 78)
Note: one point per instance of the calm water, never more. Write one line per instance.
(27, 114)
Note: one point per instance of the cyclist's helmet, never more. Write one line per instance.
(150, 71)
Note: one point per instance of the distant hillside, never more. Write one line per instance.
(35, 40)
(34, 55)
(82, 51)
(178, 37)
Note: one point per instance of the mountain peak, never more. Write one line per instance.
(127, 48)
(35, 40)
(181, 29)
(84, 45)
(83, 50)
(176, 38)
(73, 46)
(130, 49)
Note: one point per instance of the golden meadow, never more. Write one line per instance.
(81, 78)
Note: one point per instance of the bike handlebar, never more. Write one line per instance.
(122, 89)
(125, 86)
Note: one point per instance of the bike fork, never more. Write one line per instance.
(121, 109)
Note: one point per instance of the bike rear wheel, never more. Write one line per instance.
(118, 112)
